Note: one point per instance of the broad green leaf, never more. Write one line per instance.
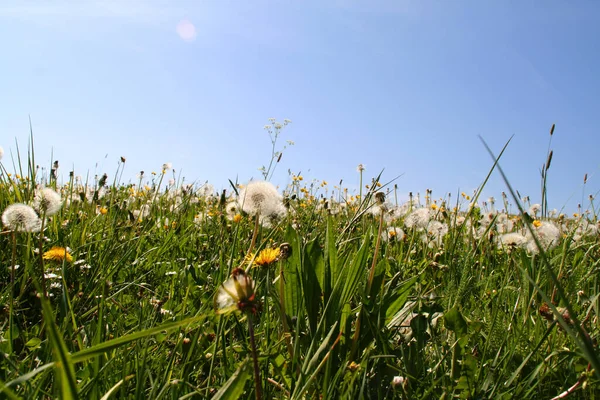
(291, 270)
(455, 322)
(63, 365)
(234, 387)
(399, 298)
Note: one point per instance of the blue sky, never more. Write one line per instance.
(405, 86)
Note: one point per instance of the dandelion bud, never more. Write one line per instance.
(237, 293)
(585, 179)
(285, 250)
(380, 197)
(552, 130)
(398, 381)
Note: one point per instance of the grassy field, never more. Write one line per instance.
(158, 290)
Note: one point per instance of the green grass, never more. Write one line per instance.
(133, 316)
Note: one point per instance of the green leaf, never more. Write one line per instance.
(291, 268)
(63, 366)
(104, 347)
(33, 343)
(234, 387)
(455, 322)
(311, 287)
(399, 298)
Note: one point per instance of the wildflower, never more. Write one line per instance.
(47, 201)
(260, 197)
(166, 166)
(353, 367)
(267, 257)
(58, 254)
(21, 218)
(237, 293)
(237, 218)
(537, 223)
(360, 168)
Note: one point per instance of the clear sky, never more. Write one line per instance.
(403, 85)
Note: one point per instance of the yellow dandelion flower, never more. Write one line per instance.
(103, 210)
(58, 254)
(537, 223)
(237, 218)
(267, 257)
(434, 206)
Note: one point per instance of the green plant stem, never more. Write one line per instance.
(12, 286)
(257, 384)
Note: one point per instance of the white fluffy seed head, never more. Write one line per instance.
(47, 201)
(21, 218)
(260, 197)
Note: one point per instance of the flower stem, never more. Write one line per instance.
(257, 384)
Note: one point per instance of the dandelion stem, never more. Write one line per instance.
(254, 358)
(254, 234)
(376, 253)
(286, 330)
(41, 251)
(12, 286)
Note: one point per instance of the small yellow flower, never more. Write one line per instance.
(392, 233)
(58, 254)
(103, 210)
(267, 257)
(237, 218)
(537, 223)
(434, 206)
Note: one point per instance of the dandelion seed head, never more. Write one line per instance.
(47, 201)
(21, 218)
(260, 197)
(419, 218)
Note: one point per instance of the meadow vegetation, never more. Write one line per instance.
(158, 289)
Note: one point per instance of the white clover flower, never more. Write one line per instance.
(21, 218)
(47, 201)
